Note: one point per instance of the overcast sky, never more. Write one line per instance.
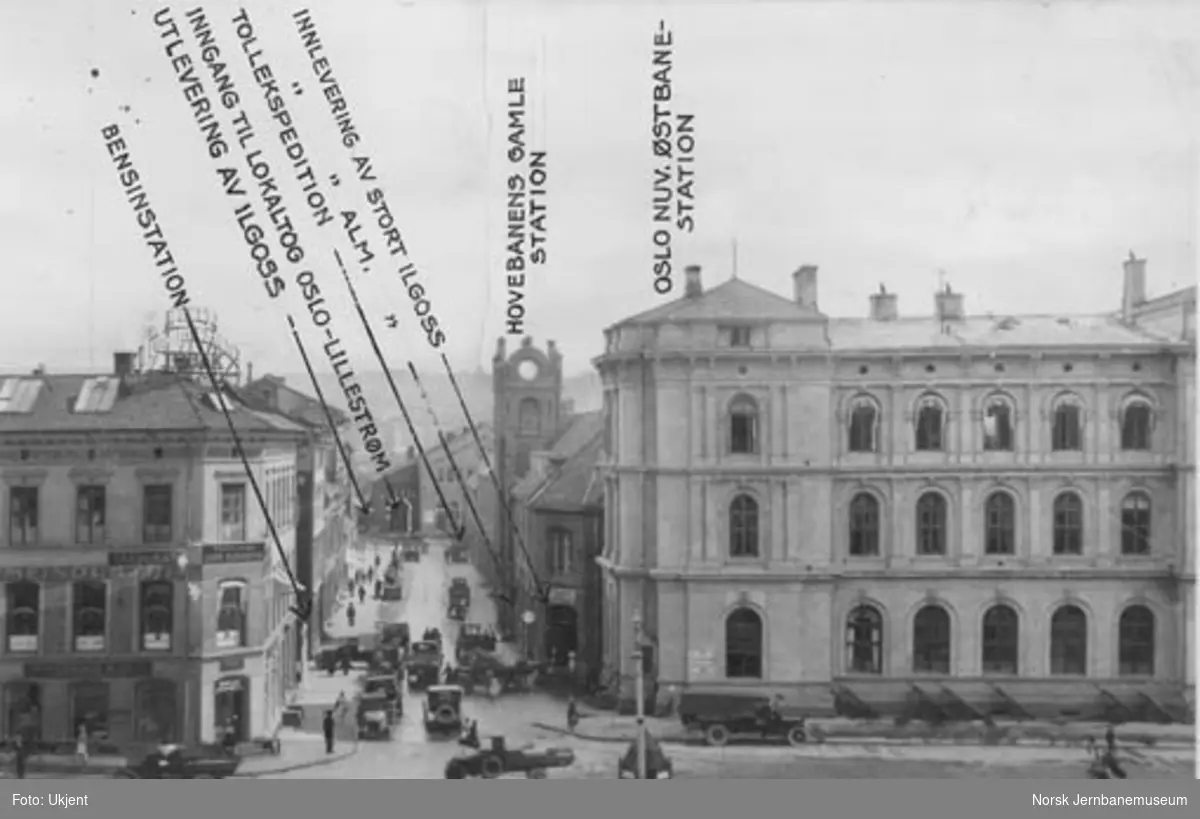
(1023, 149)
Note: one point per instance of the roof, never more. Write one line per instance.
(738, 300)
(572, 484)
(156, 401)
(291, 402)
(579, 430)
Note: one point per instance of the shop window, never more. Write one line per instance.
(89, 708)
(231, 706)
(23, 710)
(158, 615)
(90, 615)
(156, 711)
(22, 621)
(231, 615)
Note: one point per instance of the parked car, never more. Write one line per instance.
(721, 714)
(498, 759)
(443, 709)
(182, 762)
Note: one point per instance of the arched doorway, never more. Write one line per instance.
(231, 706)
(23, 709)
(562, 634)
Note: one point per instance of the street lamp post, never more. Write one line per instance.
(528, 618)
(639, 685)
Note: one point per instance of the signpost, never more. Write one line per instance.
(639, 685)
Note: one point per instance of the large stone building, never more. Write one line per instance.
(142, 594)
(327, 507)
(1003, 506)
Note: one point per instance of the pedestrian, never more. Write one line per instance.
(327, 728)
(81, 743)
(362, 595)
(572, 714)
(379, 560)
(378, 589)
(19, 753)
(350, 614)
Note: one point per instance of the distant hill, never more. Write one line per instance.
(584, 389)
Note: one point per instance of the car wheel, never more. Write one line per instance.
(455, 770)
(492, 767)
(716, 735)
(796, 736)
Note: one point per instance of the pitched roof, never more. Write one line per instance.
(291, 402)
(732, 299)
(156, 401)
(578, 432)
(571, 484)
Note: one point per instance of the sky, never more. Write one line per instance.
(1024, 149)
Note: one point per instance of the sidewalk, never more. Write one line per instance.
(607, 727)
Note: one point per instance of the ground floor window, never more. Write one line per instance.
(157, 710)
(89, 708)
(231, 706)
(23, 710)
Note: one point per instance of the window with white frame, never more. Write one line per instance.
(998, 417)
(231, 614)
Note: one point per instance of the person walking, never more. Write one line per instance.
(81, 744)
(20, 752)
(327, 728)
(362, 594)
(572, 714)
(350, 612)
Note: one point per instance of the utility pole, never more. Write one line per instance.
(639, 694)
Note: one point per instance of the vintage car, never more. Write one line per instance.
(478, 668)
(376, 714)
(658, 764)
(460, 591)
(723, 713)
(181, 762)
(331, 655)
(423, 664)
(443, 709)
(456, 554)
(497, 760)
(394, 633)
(412, 555)
(472, 636)
(391, 593)
(456, 612)
(386, 684)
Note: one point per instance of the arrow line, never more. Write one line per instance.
(412, 431)
(303, 607)
(541, 590)
(364, 507)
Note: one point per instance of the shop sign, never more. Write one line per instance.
(234, 553)
(142, 565)
(562, 597)
(229, 685)
(85, 670)
(52, 574)
(233, 664)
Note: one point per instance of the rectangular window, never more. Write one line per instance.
(158, 614)
(233, 512)
(90, 616)
(739, 336)
(157, 513)
(89, 514)
(231, 616)
(23, 515)
(22, 616)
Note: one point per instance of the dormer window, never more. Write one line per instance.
(738, 336)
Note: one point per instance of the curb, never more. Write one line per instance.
(835, 740)
(299, 766)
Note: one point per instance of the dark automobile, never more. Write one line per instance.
(391, 593)
(497, 760)
(458, 613)
(412, 555)
(423, 664)
(443, 709)
(658, 764)
(330, 655)
(180, 762)
(386, 684)
(723, 713)
(456, 554)
(376, 714)
(394, 634)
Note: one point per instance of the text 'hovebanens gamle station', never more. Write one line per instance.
(984, 512)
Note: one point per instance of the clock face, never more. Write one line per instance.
(528, 370)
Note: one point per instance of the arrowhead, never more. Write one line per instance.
(364, 509)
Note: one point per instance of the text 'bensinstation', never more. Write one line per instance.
(525, 214)
(673, 141)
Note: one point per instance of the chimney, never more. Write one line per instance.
(122, 365)
(39, 370)
(1135, 285)
(883, 305)
(693, 289)
(551, 350)
(804, 286)
(249, 371)
(948, 305)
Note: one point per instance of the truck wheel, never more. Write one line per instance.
(455, 770)
(492, 767)
(796, 736)
(716, 735)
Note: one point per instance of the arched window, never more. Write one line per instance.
(743, 644)
(1000, 524)
(863, 422)
(931, 524)
(930, 423)
(1135, 642)
(931, 641)
(23, 616)
(1066, 434)
(1068, 524)
(231, 614)
(529, 417)
(1137, 420)
(90, 616)
(864, 641)
(998, 424)
(743, 425)
(1068, 641)
(158, 614)
(864, 525)
(743, 527)
(1001, 640)
(1135, 524)
(561, 554)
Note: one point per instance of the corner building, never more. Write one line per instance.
(986, 513)
(142, 595)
